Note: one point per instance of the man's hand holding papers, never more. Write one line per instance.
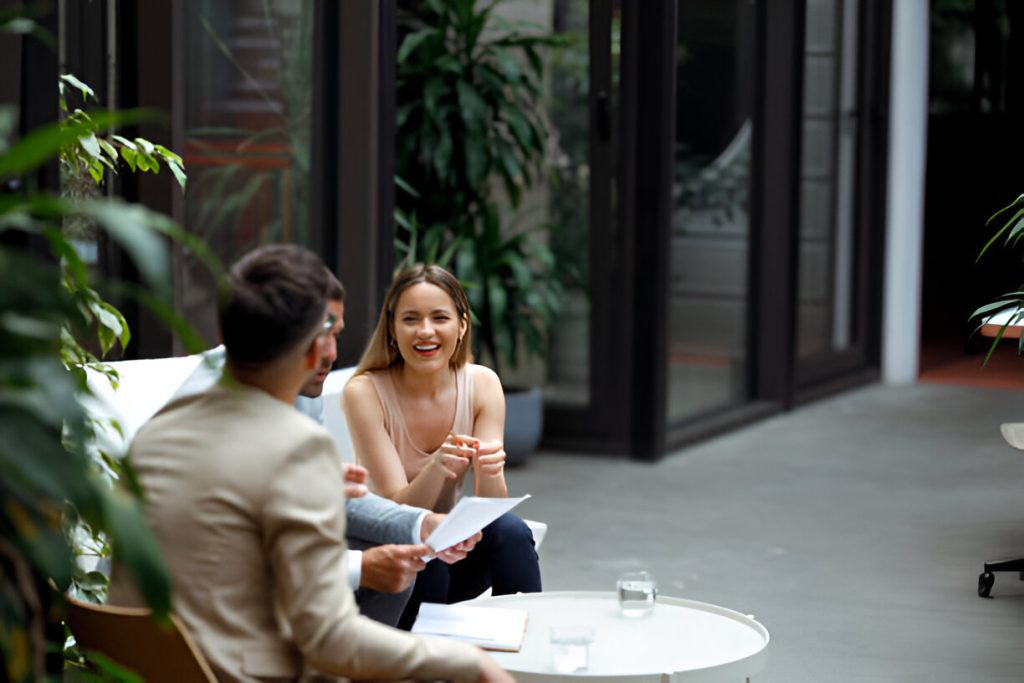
(451, 554)
(467, 518)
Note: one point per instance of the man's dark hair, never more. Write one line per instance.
(276, 297)
(335, 290)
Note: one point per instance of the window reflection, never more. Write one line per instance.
(710, 222)
(248, 86)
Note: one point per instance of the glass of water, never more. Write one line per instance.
(570, 648)
(637, 592)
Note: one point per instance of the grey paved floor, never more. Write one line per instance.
(853, 528)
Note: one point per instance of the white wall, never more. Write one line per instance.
(908, 127)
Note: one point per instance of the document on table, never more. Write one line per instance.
(470, 515)
(492, 628)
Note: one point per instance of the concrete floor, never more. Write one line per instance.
(854, 529)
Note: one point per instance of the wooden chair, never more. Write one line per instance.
(133, 639)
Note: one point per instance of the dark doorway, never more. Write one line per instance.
(975, 103)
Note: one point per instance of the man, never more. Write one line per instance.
(242, 494)
(384, 537)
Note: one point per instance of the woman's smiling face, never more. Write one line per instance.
(426, 326)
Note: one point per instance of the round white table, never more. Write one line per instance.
(681, 640)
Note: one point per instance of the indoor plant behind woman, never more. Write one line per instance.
(421, 416)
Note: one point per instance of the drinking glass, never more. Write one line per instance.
(637, 592)
(570, 648)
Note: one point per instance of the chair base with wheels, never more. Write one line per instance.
(987, 578)
(1013, 434)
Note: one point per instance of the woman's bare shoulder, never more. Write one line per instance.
(359, 386)
(483, 374)
(486, 383)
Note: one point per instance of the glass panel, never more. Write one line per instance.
(825, 306)
(248, 85)
(563, 204)
(711, 223)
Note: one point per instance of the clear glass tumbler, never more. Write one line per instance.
(570, 648)
(637, 592)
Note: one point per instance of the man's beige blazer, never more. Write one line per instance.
(244, 495)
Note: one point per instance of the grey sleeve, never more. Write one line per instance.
(377, 520)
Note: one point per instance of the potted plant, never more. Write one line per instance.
(471, 137)
(1013, 229)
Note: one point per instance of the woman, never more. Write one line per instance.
(422, 417)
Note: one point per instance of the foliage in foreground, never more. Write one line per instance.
(52, 483)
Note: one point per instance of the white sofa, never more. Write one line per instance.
(145, 386)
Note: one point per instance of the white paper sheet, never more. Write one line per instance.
(492, 628)
(470, 515)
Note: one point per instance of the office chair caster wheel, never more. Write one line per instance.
(985, 582)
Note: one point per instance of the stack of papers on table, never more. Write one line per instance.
(492, 628)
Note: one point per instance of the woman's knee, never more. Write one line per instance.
(510, 530)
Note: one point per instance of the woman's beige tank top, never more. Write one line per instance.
(413, 459)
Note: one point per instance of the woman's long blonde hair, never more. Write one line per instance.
(382, 351)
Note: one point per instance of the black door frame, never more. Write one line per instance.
(776, 381)
(602, 426)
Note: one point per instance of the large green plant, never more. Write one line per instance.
(1010, 232)
(50, 480)
(471, 128)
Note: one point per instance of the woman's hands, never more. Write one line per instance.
(455, 454)
(487, 458)
(459, 450)
(355, 480)
(490, 458)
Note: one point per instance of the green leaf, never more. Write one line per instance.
(1019, 201)
(509, 66)
(168, 155)
(26, 26)
(448, 63)
(50, 472)
(44, 143)
(991, 308)
(1015, 232)
(151, 162)
(90, 144)
(124, 141)
(145, 146)
(1016, 216)
(137, 550)
(86, 91)
(536, 65)
(406, 187)
(108, 148)
(520, 128)
(111, 325)
(433, 91)
(476, 160)
(126, 224)
(472, 107)
(129, 155)
(443, 153)
(412, 41)
(179, 175)
(163, 310)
